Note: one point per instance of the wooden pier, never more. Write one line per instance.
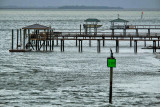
(42, 38)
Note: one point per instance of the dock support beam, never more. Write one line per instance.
(117, 46)
(62, 45)
(112, 32)
(76, 41)
(144, 42)
(130, 41)
(24, 33)
(80, 29)
(103, 41)
(158, 42)
(50, 41)
(12, 39)
(135, 46)
(149, 33)
(46, 44)
(80, 45)
(20, 38)
(43, 45)
(98, 46)
(57, 41)
(89, 41)
(52, 44)
(17, 37)
(137, 34)
(154, 46)
(124, 32)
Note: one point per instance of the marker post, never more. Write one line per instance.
(111, 62)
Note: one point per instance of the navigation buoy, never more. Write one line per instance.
(142, 15)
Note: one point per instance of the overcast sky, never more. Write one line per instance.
(110, 3)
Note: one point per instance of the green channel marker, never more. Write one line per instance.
(111, 62)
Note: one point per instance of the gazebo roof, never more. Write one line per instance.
(119, 20)
(92, 20)
(36, 26)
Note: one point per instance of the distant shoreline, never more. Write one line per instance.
(80, 8)
(61, 7)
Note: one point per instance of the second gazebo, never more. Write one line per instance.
(119, 24)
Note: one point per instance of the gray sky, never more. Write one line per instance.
(110, 3)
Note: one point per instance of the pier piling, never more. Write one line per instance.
(149, 32)
(80, 45)
(90, 42)
(130, 41)
(12, 39)
(103, 41)
(17, 37)
(137, 34)
(154, 46)
(24, 33)
(158, 41)
(117, 46)
(98, 46)
(135, 46)
(50, 41)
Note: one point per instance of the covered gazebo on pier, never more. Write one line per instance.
(119, 24)
(91, 24)
(35, 35)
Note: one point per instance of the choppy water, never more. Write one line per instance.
(72, 79)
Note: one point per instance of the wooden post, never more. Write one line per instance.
(158, 41)
(103, 41)
(137, 34)
(29, 38)
(144, 42)
(149, 32)
(20, 38)
(24, 33)
(52, 44)
(80, 29)
(50, 41)
(110, 89)
(98, 46)
(43, 45)
(117, 46)
(81, 45)
(130, 42)
(57, 40)
(46, 44)
(38, 37)
(17, 38)
(36, 45)
(76, 40)
(61, 45)
(154, 46)
(89, 41)
(12, 39)
(124, 32)
(135, 46)
(112, 32)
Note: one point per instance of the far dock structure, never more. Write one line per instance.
(33, 36)
(41, 38)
